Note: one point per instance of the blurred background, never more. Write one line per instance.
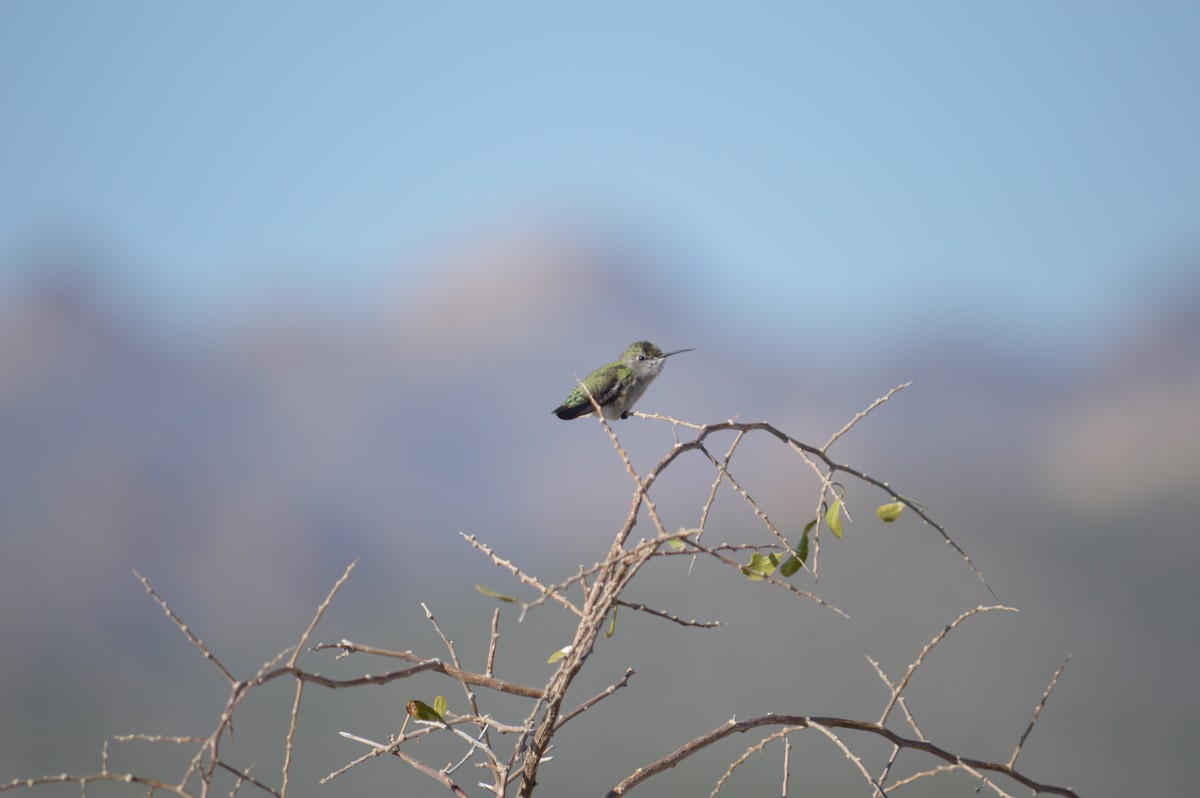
(283, 285)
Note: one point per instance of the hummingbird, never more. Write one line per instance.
(617, 386)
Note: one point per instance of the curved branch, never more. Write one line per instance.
(703, 431)
(806, 721)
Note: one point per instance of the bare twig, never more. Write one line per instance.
(912, 722)
(940, 769)
(477, 679)
(863, 414)
(849, 755)
(377, 750)
(668, 616)
(787, 758)
(290, 741)
(754, 749)
(333, 591)
(586, 705)
(471, 701)
(493, 641)
(723, 470)
(84, 781)
(712, 493)
(294, 720)
(517, 572)
(395, 750)
(156, 738)
(1037, 711)
(929, 647)
(244, 776)
(183, 627)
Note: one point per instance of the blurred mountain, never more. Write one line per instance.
(1128, 436)
(242, 470)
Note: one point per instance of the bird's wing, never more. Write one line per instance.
(577, 404)
(614, 375)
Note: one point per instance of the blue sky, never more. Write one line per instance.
(967, 160)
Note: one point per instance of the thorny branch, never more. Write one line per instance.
(603, 587)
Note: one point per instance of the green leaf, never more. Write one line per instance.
(439, 706)
(833, 518)
(557, 655)
(794, 563)
(612, 626)
(890, 512)
(487, 591)
(675, 543)
(761, 565)
(419, 710)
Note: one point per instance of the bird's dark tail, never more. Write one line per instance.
(568, 412)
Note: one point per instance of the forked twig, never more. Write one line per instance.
(754, 749)
(849, 755)
(294, 719)
(939, 637)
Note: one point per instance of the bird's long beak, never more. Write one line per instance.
(677, 351)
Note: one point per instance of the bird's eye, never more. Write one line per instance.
(641, 357)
